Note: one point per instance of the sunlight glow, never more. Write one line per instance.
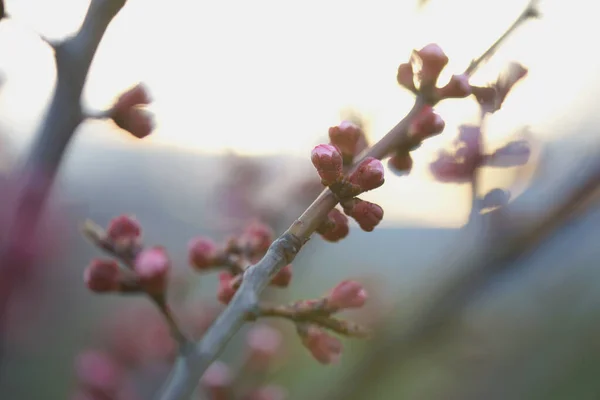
(269, 77)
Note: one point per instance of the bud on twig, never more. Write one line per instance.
(152, 267)
(328, 162)
(368, 175)
(103, 276)
(347, 294)
(324, 348)
(335, 228)
(202, 253)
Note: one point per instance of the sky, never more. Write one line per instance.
(269, 77)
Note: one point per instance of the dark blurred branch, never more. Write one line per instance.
(480, 267)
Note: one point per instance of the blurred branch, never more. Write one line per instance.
(34, 179)
(480, 267)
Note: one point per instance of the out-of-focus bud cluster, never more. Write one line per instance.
(247, 380)
(134, 351)
(233, 256)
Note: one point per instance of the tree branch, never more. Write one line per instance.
(193, 360)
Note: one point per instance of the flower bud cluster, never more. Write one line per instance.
(148, 268)
(234, 256)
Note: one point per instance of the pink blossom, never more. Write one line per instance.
(405, 77)
(226, 289)
(139, 335)
(283, 277)
(127, 114)
(366, 214)
(324, 348)
(97, 370)
(264, 342)
(202, 253)
(123, 227)
(401, 163)
(335, 228)
(426, 124)
(152, 266)
(428, 63)
(347, 294)
(102, 276)
(217, 380)
(346, 137)
(328, 162)
(368, 175)
(257, 237)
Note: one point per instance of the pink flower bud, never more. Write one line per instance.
(102, 276)
(458, 87)
(335, 228)
(226, 289)
(324, 348)
(347, 294)
(217, 380)
(264, 342)
(401, 163)
(328, 162)
(406, 77)
(203, 253)
(346, 137)
(366, 214)
(426, 124)
(123, 228)
(152, 267)
(257, 237)
(283, 277)
(428, 63)
(98, 371)
(127, 114)
(368, 175)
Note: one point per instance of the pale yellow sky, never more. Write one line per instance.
(270, 77)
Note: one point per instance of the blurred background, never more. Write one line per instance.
(243, 91)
